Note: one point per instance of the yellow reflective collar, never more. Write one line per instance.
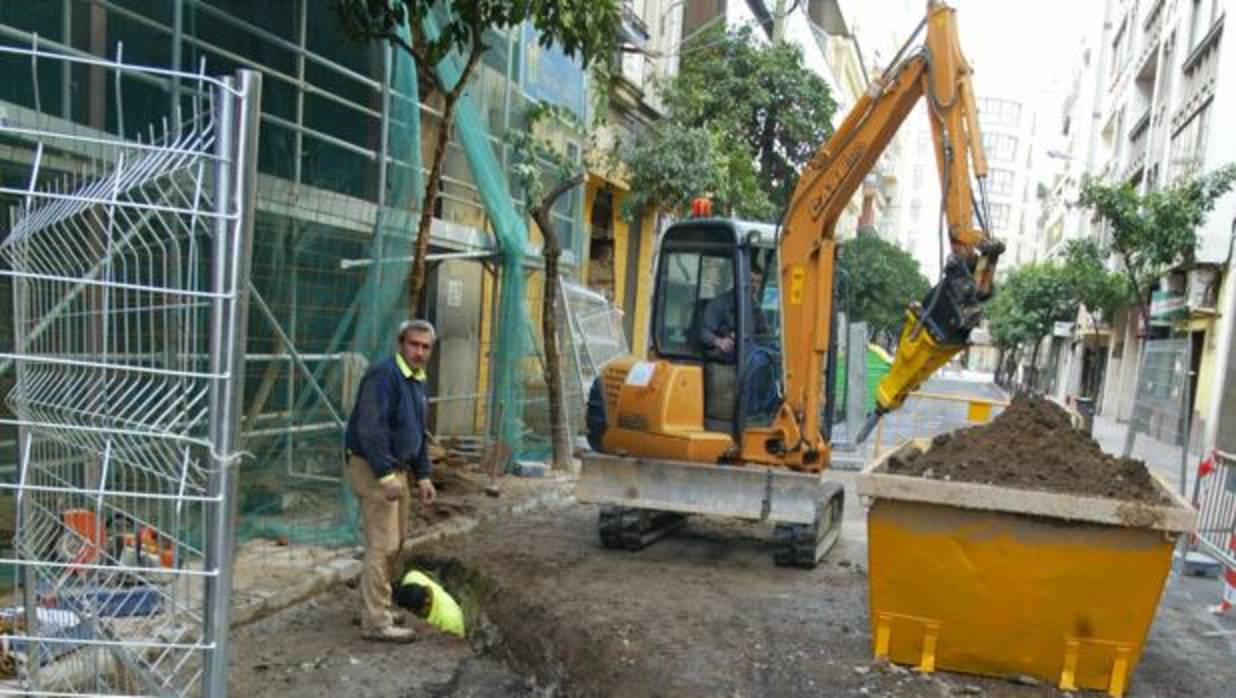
(408, 371)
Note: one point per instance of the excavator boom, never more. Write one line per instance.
(940, 328)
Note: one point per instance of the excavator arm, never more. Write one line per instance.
(939, 327)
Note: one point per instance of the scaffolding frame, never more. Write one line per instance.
(130, 275)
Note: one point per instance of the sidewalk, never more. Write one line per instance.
(1163, 459)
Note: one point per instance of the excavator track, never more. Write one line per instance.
(803, 545)
(629, 528)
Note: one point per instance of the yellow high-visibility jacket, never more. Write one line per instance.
(444, 613)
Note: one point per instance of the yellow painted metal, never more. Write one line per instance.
(655, 409)
(978, 412)
(917, 358)
(696, 447)
(1001, 594)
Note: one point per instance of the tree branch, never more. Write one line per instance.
(540, 214)
(417, 55)
(474, 57)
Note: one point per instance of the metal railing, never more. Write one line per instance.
(1214, 497)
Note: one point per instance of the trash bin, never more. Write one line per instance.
(1085, 407)
(1004, 582)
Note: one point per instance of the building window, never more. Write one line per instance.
(1189, 143)
(1201, 19)
(1118, 49)
(1000, 215)
(1001, 181)
(920, 174)
(1000, 147)
(916, 210)
(999, 112)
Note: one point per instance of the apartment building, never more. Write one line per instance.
(1163, 84)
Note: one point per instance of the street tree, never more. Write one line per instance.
(750, 114)
(545, 173)
(1008, 334)
(877, 280)
(1030, 301)
(431, 31)
(1097, 290)
(1153, 232)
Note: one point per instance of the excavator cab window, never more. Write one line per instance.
(696, 319)
(690, 280)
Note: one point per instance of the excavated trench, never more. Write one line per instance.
(520, 650)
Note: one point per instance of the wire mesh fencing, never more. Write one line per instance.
(1162, 381)
(128, 257)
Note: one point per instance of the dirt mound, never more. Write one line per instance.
(1031, 445)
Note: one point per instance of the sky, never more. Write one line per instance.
(1018, 48)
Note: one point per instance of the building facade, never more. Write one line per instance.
(341, 168)
(1164, 83)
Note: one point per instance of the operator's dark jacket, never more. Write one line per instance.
(388, 425)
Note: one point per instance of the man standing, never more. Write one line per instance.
(387, 441)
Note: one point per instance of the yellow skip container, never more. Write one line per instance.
(1000, 581)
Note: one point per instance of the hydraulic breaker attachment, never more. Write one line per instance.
(934, 331)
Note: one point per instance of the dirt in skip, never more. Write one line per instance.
(1031, 445)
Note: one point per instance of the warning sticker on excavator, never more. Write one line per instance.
(641, 373)
(798, 278)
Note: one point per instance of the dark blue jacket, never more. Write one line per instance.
(388, 426)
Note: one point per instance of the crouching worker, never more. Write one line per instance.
(419, 594)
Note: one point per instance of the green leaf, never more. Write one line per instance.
(762, 112)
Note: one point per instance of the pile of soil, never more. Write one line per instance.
(1031, 445)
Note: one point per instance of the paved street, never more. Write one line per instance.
(925, 416)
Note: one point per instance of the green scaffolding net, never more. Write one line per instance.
(342, 133)
(292, 490)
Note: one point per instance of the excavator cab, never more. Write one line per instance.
(714, 306)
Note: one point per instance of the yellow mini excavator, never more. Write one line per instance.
(725, 416)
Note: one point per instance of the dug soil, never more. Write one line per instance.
(1031, 445)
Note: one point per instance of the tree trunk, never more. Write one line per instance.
(416, 282)
(1034, 366)
(560, 439)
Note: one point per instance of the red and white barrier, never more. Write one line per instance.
(1229, 584)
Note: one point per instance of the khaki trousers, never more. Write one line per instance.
(385, 524)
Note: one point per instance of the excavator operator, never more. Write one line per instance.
(720, 321)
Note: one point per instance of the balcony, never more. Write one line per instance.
(1152, 31)
(1139, 137)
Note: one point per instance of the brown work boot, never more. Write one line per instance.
(397, 617)
(389, 633)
